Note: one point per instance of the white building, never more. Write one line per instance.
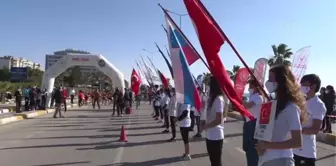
(10, 61)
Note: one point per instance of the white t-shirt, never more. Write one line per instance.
(257, 99)
(217, 132)
(72, 92)
(172, 106)
(186, 122)
(157, 100)
(287, 120)
(316, 110)
(165, 100)
(204, 100)
(162, 96)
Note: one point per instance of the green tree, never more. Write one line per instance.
(5, 74)
(282, 54)
(206, 79)
(35, 75)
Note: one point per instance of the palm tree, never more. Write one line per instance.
(235, 69)
(206, 80)
(281, 55)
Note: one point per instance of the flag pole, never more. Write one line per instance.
(167, 51)
(166, 13)
(164, 29)
(233, 48)
(142, 72)
(150, 77)
(164, 57)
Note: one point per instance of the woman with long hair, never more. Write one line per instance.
(290, 114)
(214, 125)
(256, 98)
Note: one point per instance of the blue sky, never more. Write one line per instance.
(121, 29)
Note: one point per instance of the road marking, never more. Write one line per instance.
(120, 150)
(240, 150)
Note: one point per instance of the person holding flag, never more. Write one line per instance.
(172, 114)
(135, 86)
(256, 98)
(289, 115)
(214, 126)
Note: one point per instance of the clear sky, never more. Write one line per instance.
(121, 29)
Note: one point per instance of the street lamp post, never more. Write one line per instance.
(180, 16)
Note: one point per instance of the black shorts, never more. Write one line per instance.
(304, 161)
(185, 134)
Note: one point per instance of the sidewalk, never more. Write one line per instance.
(326, 138)
(11, 117)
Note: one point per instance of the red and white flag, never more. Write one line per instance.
(135, 82)
(242, 77)
(299, 63)
(211, 41)
(260, 68)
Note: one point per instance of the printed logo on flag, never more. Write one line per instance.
(265, 113)
(265, 122)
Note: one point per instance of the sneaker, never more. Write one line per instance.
(172, 140)
(160, 121)
(187, 157)
(198, 135)
(156, 118)
(165, 131)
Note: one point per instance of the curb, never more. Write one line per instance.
(10, 119)
(27, 115)
(326, 138)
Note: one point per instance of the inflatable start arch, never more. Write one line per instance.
(98, 61)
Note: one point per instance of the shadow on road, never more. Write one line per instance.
(160, 161)
(326, 157)
(60, 164)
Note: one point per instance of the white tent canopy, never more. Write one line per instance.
(98, 61)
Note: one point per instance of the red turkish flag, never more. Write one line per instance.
(265, 113)
(135, 82)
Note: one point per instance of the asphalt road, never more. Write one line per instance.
(90, 138)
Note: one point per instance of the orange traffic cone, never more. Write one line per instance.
(123, 137)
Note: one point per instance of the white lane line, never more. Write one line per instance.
(240, 150)
(120, 150)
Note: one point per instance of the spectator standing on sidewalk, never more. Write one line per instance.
(329, 101)
(44, 99)
(18, 100)
(26, 96)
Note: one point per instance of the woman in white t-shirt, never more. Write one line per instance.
(165, 108)
(214, 126)
(253, 105)
(172, 106)
(185, 123)
(290, 113)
